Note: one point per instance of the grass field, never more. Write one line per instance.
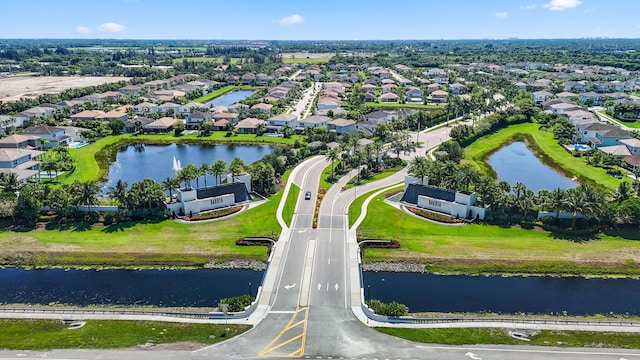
(493, 249)
(501, 337)
(403, 106)
(109, 334)
(547, 149)
(142, 244)
(377, 176)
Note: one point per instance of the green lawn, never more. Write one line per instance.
(223, 90)
(634, 125)
(363, 75)
(548, 150)
(108, 334)
(326, 173)
(475, 336)
(142, 244)
(493, 249)
(305, 60)
(404, 106)
(355, 209)
(377, 176)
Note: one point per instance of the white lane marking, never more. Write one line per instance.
(319, 286)
(281, 312)
(337, 287)
(290, 286)
(473, 356)
(329, 261)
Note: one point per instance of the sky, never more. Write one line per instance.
(319, 19)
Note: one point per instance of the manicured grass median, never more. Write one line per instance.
(493, 249)
(475, 336)
(108, 334)
(290, 204)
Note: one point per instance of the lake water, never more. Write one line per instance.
(230, 98)
(168, 288)
(536, 295)
(136, 163)
(516, 163)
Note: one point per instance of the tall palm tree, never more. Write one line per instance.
(191, 172)
(332, 156)
(203, 170)
(119, 192)
(88, 194)
(218, 168)
(236, 167)
(519, 188)
(169, 184)
(623, 192)
(555, 200)
(419, 168)
(467, 175)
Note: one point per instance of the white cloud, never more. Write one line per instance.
(290, 20)
(82, 29)
(111, 27)
(560, 5)
(502, 14)
(528, 7)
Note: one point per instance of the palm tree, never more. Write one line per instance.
(119, 192)
(555, 200)
(419, 168)
(87, 194)
(467, 175)
(218, 168)
(203, 170)
(519, 188)
(11, 183)
(332, 156)
(236, 167)
(169, 184)
(623, 192)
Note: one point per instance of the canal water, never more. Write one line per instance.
(420, 292)
(516, 163)
(508, 295)
(136, 163)
(165, 288)
(229, 98)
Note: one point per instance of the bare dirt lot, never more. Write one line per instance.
(14, 87)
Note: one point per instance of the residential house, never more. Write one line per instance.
(457, 89)
(439, 96)
(386, 88)
(608, 137)
(119, 113)
(632, 144)
(160, 126)
(250, 126)
(193, 120)
(314, 121)
(18, 141)
(389, 97)
(135, 89)
(369, 97)
(135, 125)
(229, 116)
(433, 87)
(415, 96)
(86, 115)
(262, 108)
(75, 133)
(276, 123)
(327, 103)
(22, 162)
(238, 108)
(561, 108)
(248, 79)
(145, 108)
(189, 108)
(541, 96)
(592, 98)
(169, 108)
(341, 126)
(52, 136)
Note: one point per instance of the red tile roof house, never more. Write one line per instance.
(229, 116)
(85, 115)
(439, 96)
(18, 141)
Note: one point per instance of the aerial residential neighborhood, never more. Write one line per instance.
(452, 181)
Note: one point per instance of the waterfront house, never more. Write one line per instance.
(22, 162)
(51, 136)
(18, 141)
(250, 126)
(160, 126)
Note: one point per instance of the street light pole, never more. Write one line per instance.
(249, 290)
(369, 291)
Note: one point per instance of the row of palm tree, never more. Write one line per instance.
(192, 172)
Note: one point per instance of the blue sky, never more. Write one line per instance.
(319, 20)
